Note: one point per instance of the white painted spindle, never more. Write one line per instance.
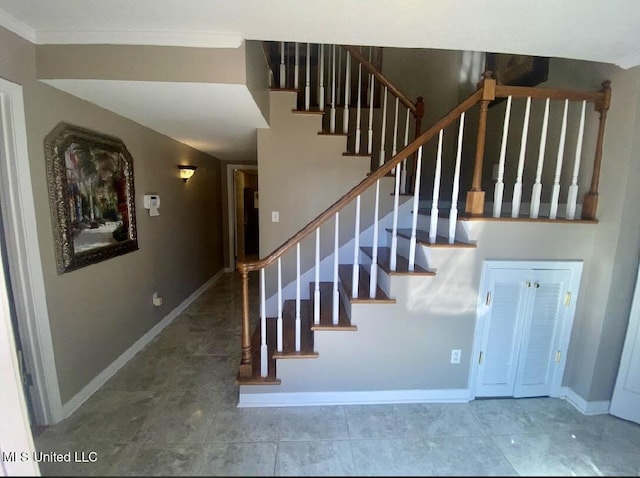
(355, 277)
(336, 259)
(383, 134)
(555, 193)
(572, 197)
(394, 227)
(321, 75)
(307, 83)
(316, 290)
(536, 192)
(373, 276)
(453, 212)
(332, 118)
(394, 149)
(283, 67)
(264, 369)
(499, 187)
(347, 94)
(517, 187)
(433, 225)
(296, 66)
(339, 73)
(414, 222)
(358, 111)
(370, 131)
(298, 297)
(403, 170)
(279, 319)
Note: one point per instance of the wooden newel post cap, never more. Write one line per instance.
(606, 85)
(487, 75)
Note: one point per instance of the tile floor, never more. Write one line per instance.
(172, 411)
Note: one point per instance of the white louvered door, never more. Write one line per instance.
(521, 354)
(502, 333)
(540, 353)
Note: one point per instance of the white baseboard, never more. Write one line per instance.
(306, 399)
(600, 407)
(78, 399)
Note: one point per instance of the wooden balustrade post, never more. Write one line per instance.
(418, 115)
(475, 197)
(590, 202)
(245, 362)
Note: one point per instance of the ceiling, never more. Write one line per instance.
(580, 29)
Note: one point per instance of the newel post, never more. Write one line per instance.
(418, 115)
(475, 197)
(590, 202)
(245, 362)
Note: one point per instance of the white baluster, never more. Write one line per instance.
(536, 192)
(296, 67)
(339, 73)
(316, 291)
(394, 227)
(358, 110)
(433, 225)
(298, 297)
(394, 149)
(279, 320)
(453, 212)
(373, 277)
(283, 67)
(336, 259)
(321, 75)
(355, 278)
(307, 86)
(572, 197)
(517, 187)
(332, 120)
(414, 222)
(264, 365)
(384, 127)
(403, 170)
(370, 131)
(347, 93)
(499, 187)
(555, 193)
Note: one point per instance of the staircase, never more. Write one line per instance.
(342, 303)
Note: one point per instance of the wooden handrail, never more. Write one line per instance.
(503, 91)
(363, 185)
(355, 53)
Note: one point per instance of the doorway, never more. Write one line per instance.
(247, 231)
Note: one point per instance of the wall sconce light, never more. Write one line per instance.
(186, 171)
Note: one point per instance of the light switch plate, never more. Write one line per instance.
(275, 216)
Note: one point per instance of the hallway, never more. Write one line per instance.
(172, 411)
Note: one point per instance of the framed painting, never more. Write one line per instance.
(517, 70)
(91, 195)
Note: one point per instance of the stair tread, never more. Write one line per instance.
(423, 238)
(402, 263)
(312, 111)
(294, 90)
(256, 379)
(327, 133)
(358, 155)
(326, 310)
(345, 272)
(289, 331)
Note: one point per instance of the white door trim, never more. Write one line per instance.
(24, 256)
(575, 266)
(231, 211)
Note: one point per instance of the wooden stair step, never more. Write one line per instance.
(345, 272)
(294, 90)
(402, 263)
(312, 111)
(326, 310)
(357, 155)
(327, 133)
(289, 331)
(256, 379)
(423, 238)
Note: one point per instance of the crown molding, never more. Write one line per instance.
(201, 39)
(16, 26)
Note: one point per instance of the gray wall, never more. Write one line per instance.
(99, 311)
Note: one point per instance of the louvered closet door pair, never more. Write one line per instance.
(520, 349)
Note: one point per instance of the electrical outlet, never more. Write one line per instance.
(275, 216)
(455, 355)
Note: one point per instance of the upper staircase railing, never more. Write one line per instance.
(486, 93)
